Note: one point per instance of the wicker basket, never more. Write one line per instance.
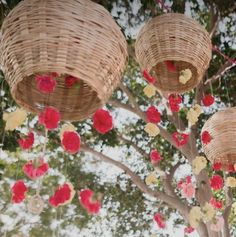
(178, 38)
(72, 37)
(222, 128)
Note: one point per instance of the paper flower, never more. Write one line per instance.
(14, 119)
(68, 127)
(148, 77)
(159, 220)
(153, 115)
(188, 230)
(18, 191)
(71, 142)
(195, 216)
(198, 164)
(216, 182)
(149, 91)
(192, 116)
(155, 156)
(171, 66)
(180, 138)
(230, 182)
(188, 190)
(50, 118)
(152, 129)
(198, 109)
(174, 102)
(33, 172)
(208, 212)
(217, 166)
(102, 121)
(151, 179)
(63, 195)
(45, 83)
(218, 224)
(185, 76)
(217, 204)
(70, 81)
(208, 100)
(86, 200)
(206, 137)
(27, 143)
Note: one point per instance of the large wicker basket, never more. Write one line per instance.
(222, 129)
(72, 37)
(177, 38)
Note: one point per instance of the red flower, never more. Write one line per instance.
(180, 138)
(102, 121)
(85, 198)
(155, 156)
(208, 100)
(216, 203)
(159, 220)
(34, 173)
(153, 115)
(148, 77)
(18, 191)
(216, 182)
(70, 81)
(62, 195)
(231, 168)
(71, 142)
(188, 230)
(217, 166)
(206, 137)
(50, 118)
(45, 83)
(174, 102)
(27, 143)
(170, 66)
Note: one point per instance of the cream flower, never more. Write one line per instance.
(152, 129)
(192, 116)
(68, 127)
(218, 224)
(231, 182)
(185, 76)
(198, 109)
(234, 207)
(208, 212)
(198, 164)
(149, 91)
(151, 179)
(195, 216)
(14, 119)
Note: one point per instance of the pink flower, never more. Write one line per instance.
(45, 83)
(174, 102)
(159, 220)
(18, 191)
(71, 142)
(208, 100)
(155, 156)
(216, 182)
(50, 118)
(86, 201)
(206, 137)
(180, 138)
(27, 143)
(102, 121)
(219, 225)
(188, 190)
(217, 166)
(171, 66)
(148, 77)
(217, 204)
(153, 115)
(188, 230)
(70, 81)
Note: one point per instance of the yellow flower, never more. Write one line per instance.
(14, 119)
(68, 127)
(192, 116)
(185, 76)
(152, 129)
(198, 109)
(151, 179)
(231, 182)
(195, 216)
(208, 212)
(149, 91)
(198, 164)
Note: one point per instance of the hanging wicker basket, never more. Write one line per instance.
(222, 129)
(177, 38)
(73, 37)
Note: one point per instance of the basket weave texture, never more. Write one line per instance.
(178, 38)
(72, 37)
(222, 128)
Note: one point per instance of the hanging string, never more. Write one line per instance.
(217, 50)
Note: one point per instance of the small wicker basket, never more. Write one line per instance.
(222, 129)
(177, 38)
(72, 37)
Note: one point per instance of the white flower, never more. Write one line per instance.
(149, 91)
(198, 164)
(195, 216)
(152, 129)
